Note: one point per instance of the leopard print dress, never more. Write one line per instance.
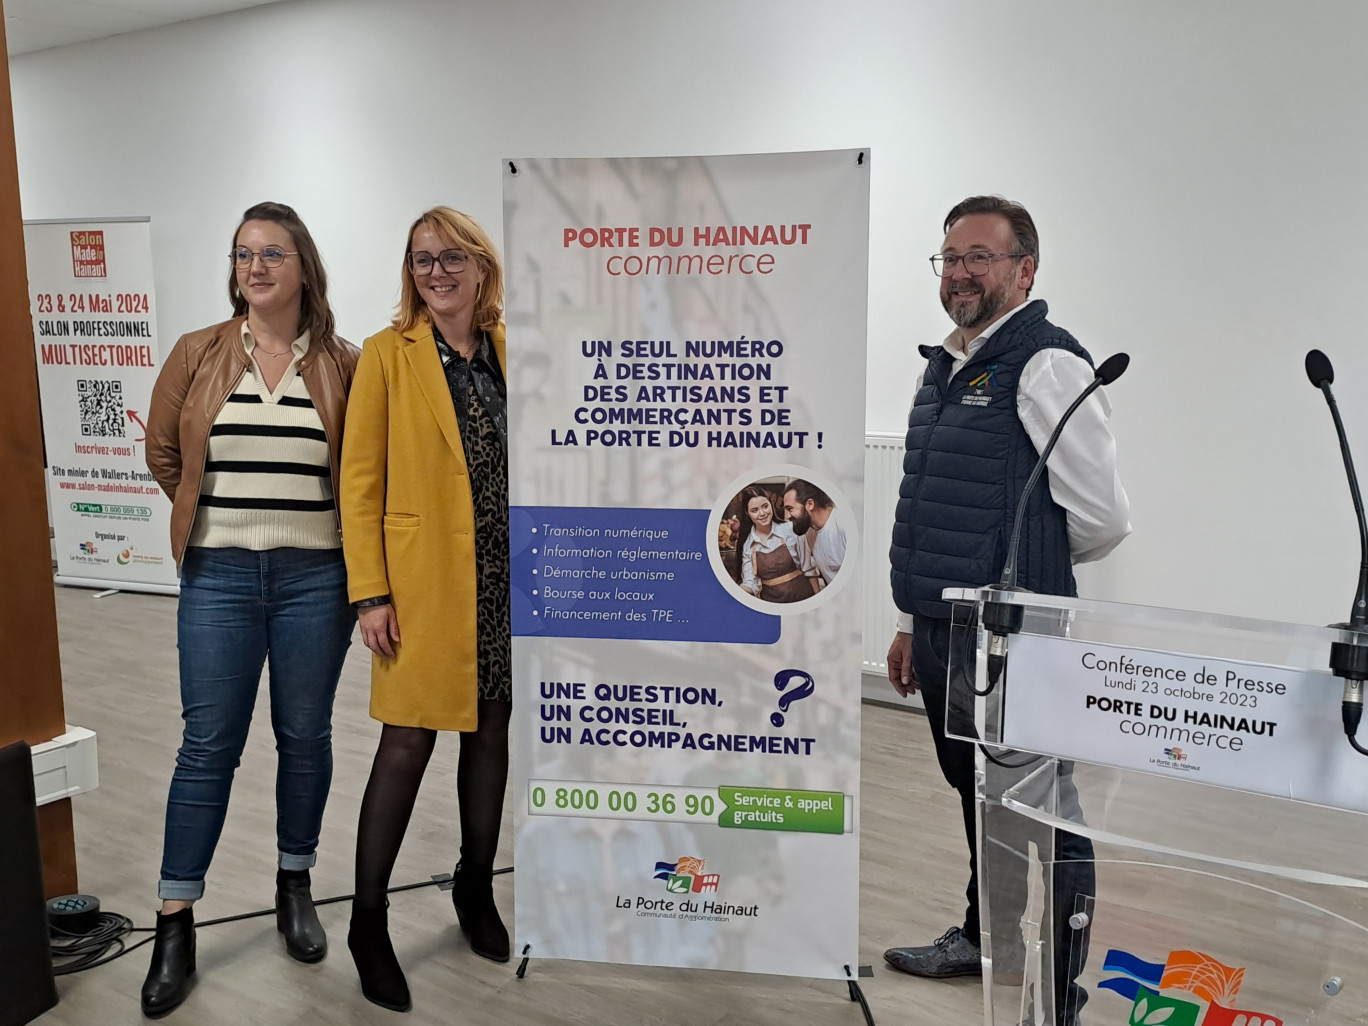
(483, 437)
(487, 467)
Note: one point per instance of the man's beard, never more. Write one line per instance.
(981, 313)
(800, 522)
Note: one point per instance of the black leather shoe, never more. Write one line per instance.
(952, 954)
(173, 963)
(472, 893)
(382, 978)
(297, 918)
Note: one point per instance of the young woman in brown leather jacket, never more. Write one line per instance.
(244, 435)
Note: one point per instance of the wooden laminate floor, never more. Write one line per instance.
(119, 665)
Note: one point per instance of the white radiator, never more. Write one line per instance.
(883, 474)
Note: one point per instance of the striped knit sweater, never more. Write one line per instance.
(267, 482)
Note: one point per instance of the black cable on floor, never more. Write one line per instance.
(75, 953)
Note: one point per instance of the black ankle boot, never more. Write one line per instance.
(173, 963)
(472, 893)
(296, 917)
(382, 978)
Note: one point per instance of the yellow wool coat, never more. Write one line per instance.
(408, 528)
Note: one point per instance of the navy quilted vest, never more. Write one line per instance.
(967, 461)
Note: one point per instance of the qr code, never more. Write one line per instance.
(102, 408)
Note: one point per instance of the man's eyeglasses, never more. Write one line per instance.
(976, 263)
(453, 261)
(271, 256)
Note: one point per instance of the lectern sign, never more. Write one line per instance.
(1267, 729)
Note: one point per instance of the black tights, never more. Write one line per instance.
(400, 761)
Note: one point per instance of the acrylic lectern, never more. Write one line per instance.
(1172, 824)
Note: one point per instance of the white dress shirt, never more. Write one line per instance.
(1082, 468)
(824, 550)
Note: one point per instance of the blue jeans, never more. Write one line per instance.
(238, 609)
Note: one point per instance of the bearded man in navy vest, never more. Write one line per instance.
(985, 406)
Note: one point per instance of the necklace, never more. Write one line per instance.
(263, 352)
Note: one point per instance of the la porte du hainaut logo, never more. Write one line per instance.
(1189, 989)
(686, 876)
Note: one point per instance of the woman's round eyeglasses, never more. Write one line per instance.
(271, 256)
(420, 261)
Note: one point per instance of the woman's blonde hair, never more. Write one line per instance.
(463, 231)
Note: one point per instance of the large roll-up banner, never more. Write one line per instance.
(686, 390)
(95, 330)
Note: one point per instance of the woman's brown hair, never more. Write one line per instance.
(315, 315)
(756, 492)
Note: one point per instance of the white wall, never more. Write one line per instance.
(1196, 170)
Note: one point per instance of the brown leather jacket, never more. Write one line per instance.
(195, 381)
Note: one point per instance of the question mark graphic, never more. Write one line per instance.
(781, 681)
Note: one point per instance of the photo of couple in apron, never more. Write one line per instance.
(780, 541)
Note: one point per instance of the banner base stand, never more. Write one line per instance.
(104, 585)
(857, 995)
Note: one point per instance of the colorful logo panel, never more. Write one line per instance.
(1173, 993)
(686, 876)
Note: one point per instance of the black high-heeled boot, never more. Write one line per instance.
(297, 918)
(382, 978)
(173, 963)
(472, 892)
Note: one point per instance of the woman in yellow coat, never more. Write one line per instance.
(424, 485)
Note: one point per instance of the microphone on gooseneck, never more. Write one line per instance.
(1002, 618)
(1347, 660)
